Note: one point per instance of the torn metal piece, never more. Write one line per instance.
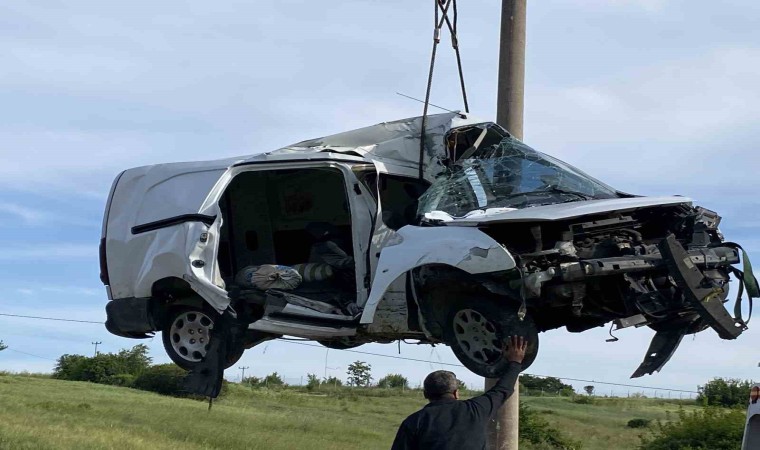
(662, 348)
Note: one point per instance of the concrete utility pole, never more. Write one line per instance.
(96, 347)
(503, 433)
(242, 376)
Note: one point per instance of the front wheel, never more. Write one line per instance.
(187, 336)
(476, 330)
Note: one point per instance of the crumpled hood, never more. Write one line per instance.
(558, 211)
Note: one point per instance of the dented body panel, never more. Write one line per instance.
(468, 250)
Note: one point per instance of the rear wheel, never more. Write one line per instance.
(187, 335)
(476, 330)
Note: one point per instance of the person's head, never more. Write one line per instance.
(441, 384)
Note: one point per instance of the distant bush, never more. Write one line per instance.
(548, 385)
(639, 423)
(536, 430)
(273, 380)
(710, 428)
(393, 380)
(165, 379)
(252, 381)
(583, 400)
(726, 392)
(332, 382)
(122, 379)
(103, 367)
(312, 382)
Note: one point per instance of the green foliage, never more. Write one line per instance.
(583, 400)
(359, 374)
(332, 381)
(393, 380)
(549, 385)
(273, 380)
(537, 431)
(639, 423)
(253, 381)
(165, 379)
(726, 392)
(2, 346)
(122, 379)
(589, 389)
(312, 382)
(710, 428)
(103, 367)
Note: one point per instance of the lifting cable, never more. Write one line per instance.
(441, 16)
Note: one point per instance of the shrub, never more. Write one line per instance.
(583, 400)
(549, 385)
(334, 382)
(710, 428)
(726, 392)
(273, 380)
(122, 379)
(165, 379)
(312, 382)
(359, 374)
(393, 380)
(639, 423)
(104, 366)
(253, 381)
(537, 431)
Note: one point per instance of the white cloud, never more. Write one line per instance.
(51, 252)
(39, 290)
(28, 215)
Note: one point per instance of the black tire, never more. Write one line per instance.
(475, 330)
(188, 356)
(343, 343)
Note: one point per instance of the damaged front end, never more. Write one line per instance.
(588, 254)
(665, 268)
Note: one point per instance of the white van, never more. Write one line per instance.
(463, 238)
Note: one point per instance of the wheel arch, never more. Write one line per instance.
(466, 250)
(172, 292)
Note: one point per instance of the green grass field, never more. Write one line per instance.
(40, 413)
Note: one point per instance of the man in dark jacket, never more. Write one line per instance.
(447, 423)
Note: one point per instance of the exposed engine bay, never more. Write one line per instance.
(618, 266)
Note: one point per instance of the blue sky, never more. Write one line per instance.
(651, 96)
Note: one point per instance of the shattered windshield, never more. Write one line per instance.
(509, 175)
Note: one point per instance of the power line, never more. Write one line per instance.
(51, 318)
(288, 341)
(524, 373)
(30, 354)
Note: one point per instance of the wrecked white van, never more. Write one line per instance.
(463, 239)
